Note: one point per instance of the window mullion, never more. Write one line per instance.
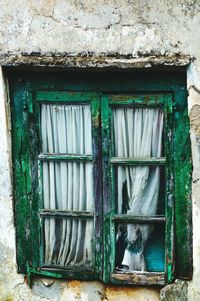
(108, 200)
(97, 184)
(169, 195)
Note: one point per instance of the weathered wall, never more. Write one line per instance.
(166, 30)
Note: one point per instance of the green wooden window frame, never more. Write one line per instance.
(102, 92)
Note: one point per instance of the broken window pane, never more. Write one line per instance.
(140, 247)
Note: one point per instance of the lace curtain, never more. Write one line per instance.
(137, 133)
(66, 129)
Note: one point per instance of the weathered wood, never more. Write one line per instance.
(62, 272)
(137, 105)
(169, 187)
(97, 184)
(66, 213)
(138, 278)
(64, 157)
(71, 269)
(137, 161)
(63, 97)
(183, 189)
(122, 218)
(25, 192)
(134, 99)
(108, 240)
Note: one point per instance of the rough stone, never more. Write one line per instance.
(175, 292)
(90, 60)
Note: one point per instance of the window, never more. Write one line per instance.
(102, 177)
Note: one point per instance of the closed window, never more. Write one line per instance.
(97, 178)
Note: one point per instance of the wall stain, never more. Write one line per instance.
(118, 292)
(195, 119)
(9, 298)
(75, 286)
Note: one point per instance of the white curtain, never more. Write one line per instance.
(137, 133)
(66, 129)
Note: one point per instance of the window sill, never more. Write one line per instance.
(59, 273)
(119, 278)
(139, 278)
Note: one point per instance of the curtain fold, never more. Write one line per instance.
(66, 129)
(137, 133)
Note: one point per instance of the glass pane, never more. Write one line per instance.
(137, 132)
(139, 190)
(140, 247)
(66, 129)
(67, 185)
(68, 242)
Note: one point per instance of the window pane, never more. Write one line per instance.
(67, 185)
(66, 129)
(68, 242)
(140, 247)
(139, 190)
(137, 132)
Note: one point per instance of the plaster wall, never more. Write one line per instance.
(41, 32)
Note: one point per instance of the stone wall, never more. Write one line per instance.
(90, 34)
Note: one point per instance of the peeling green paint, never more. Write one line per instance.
(26, 191)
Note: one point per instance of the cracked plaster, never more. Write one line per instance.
(103, 26)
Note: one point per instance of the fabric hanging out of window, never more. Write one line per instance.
(137, 133)
(66, 129)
